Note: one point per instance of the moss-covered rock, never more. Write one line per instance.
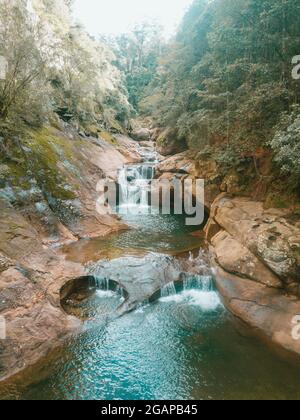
(108, 137)
(51, 175)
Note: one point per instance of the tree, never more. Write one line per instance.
(21, 46)
(286, 145)
(229, 69)
(138, 53)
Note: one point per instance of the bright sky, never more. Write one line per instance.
(117, 16)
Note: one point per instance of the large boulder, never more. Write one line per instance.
(183, 166)
(255, 253)
(141, 134)
(271, 235)
(235, 258)
(30, 280)
(168, 143)
(269, 314)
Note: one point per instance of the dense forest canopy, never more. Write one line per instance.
(225, 82)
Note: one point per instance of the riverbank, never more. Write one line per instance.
(254, 249)
(256, 256)
(45, 202)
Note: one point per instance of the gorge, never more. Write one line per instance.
(138, 304)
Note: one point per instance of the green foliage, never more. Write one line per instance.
(229, 157)
(137, 56)
(226, 79)
(286, 145)
(54, 67)
(23, 92)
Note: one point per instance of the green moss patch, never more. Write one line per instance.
(109, 138)
(47, 149)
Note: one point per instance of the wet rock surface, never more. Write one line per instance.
(37, 212)
(55, 189)
(256, 256)
(143, 277)
(30, 279)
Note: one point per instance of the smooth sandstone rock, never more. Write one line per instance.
(235, 258)
(30, 281)
(255, 254)
(265, 233)
(268, 312)
(32, 274)
(141, 134)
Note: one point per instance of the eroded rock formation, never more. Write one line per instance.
(256, 254)
(39, 210)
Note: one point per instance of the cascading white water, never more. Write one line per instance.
(103, 287)
(134, 182)
(196, 282)
(168, 290)
(102, 283)
(198, 290)
(199, 282)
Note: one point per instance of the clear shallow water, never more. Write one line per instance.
(155, 233)
(182, 347)
(149, 230)
(159, 233)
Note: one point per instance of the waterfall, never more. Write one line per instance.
(199, 282)
(197, 291)
(134, 182)
(120, 291)
(196, 282)
(102, 283)
(168, 290)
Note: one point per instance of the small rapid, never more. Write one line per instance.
(196, 291)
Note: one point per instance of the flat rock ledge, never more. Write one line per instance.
(256, 257)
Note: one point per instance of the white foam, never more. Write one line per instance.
(105, 294)
(207, 301)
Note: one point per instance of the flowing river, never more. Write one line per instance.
(182, 344)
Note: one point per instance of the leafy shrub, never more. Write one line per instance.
(286, 145)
